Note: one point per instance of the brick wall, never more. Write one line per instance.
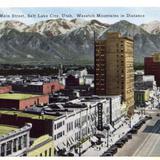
(5, 89)
(44, 99)
(52, 87)
(22, 104)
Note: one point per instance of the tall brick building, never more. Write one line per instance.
(114, 73)
(152, 67)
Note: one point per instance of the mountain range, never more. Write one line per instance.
(58, 41)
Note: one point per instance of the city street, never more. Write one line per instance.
(94, 151)
(147, 141)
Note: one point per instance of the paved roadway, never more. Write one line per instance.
(146, 142)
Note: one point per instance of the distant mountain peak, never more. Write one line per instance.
(61, 40)
(13, 25)
(152, 27)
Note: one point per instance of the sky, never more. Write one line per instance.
(114, 14)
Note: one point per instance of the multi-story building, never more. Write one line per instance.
(69, 123)
(42, 147)
(114, 67)
(14, 141)
(152, 67)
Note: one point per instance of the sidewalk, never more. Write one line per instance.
(98, 150)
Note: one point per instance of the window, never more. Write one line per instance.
(69, 126)
(60, 134)
(2, 149)
(59, 125)
(14, 145)
(50, 152)
(9, 147)
(19, 143)
(25, 140)
(45, 153)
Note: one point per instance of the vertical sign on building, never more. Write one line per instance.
(100, 118)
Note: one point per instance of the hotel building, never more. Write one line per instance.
(114, 73)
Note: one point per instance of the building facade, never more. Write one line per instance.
(22, 101)
(78, 126)
(141, 97)
(38, 87)
(152, 67)
(114, 67)
(15, 143)
(42, 147)
(70, 123)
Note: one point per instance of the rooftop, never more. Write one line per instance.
(5, 129)
(16, 96)
(27, 115)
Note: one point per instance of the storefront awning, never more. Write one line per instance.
(71, 140)
(94, 139)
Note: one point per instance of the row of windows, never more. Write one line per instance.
(59, 135)
(22, 143)
(58, 125)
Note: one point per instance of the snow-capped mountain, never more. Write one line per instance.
(152, 27)
(13, 25)
(67, 41)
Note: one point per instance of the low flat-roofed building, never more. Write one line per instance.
(21, 101)
(41, 147)
(14, 141)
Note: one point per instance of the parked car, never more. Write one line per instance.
(107, 154)
(138, 125)
(129, 135)
(113, 150)
(143, 121)
(133, 131)
(119, 144)
(124, 139)
(148, 117)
